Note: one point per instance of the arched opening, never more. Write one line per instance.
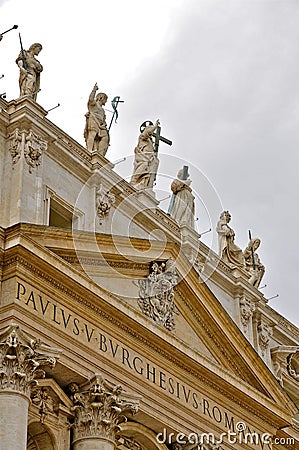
(140, 434)
(39, 437)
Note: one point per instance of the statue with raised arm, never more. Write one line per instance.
(183, 206)
(228, 250)
(252, 262)
(146, 161)
(30, 69)
(96, 133)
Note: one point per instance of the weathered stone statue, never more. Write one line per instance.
(30, 69)
(183, 206)
(96, 133)
(146, 161)
(252, 262)
(228, 250)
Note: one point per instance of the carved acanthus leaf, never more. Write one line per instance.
(100, 408)
(22, 359)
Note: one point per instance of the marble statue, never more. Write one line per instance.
(252, 262)
(96, 133)
(146, 161)
(228, 250)
(30, 69)
(183, 206)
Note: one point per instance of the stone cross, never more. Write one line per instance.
(157, 135)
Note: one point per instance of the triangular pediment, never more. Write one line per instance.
(204, 337)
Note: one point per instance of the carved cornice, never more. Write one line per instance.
(22, 359)
(100, 408)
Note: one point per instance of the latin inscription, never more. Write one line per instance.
(110, 348)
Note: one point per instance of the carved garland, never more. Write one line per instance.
(28, 143)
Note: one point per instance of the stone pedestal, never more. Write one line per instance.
(13, 420)
(93, 443)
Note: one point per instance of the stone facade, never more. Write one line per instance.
(111, 340)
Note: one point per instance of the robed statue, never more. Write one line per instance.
(183, 203)
(253, 264)
(30, 70)
(228, 250)
(146, 161)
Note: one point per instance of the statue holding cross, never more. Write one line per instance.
(146, 160)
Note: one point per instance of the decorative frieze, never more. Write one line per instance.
(28, 143)
(104, 201)
(100, 408)
(22, 359)
(156, 294)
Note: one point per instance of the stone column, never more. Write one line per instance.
(99, 409)
(21, 359)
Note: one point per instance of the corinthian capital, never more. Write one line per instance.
(22, 359)
(100, 408)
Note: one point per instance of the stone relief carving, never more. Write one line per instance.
(228, 250)
(264, 334)
(156, 295)
(281, 361)
(104, 201)
(22, 359)
(29, 144)
(100, 408)
(246, 310)
(253, 264)
(293, 365)
(41, 398)
(34, 148)
(15, 146)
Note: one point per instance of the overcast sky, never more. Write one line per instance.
(223, 78)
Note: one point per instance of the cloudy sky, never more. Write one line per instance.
(223, 78)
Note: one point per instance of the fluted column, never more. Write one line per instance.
(99, 409)
(21, 362)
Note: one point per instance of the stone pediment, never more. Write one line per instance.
(205, 341)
